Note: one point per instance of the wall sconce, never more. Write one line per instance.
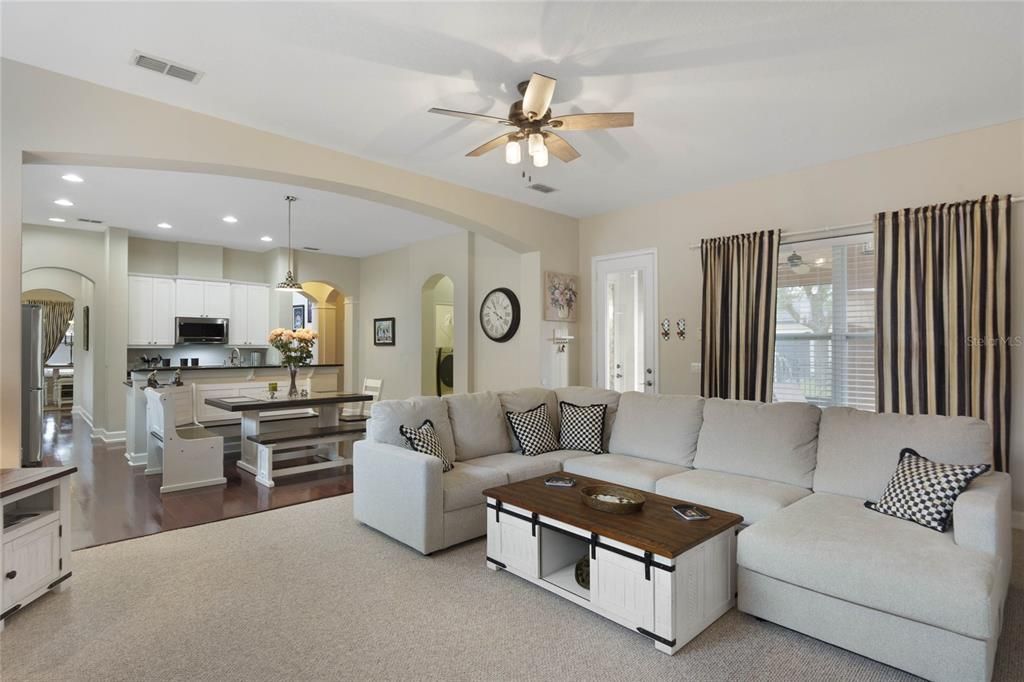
(666, 329)
(681, 328)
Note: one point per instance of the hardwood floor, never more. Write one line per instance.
(113, 501)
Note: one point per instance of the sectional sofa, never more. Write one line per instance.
(811, 557)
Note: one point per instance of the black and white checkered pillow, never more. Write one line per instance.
(425, 440)
(582, 427)
(533, 430)
(923, 491)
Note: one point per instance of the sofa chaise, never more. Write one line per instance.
(811, 557)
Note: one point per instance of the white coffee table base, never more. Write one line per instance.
(669, 600)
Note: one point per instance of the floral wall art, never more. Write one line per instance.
(560, 294)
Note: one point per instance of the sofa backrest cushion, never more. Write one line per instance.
(776, 442)
(478, 424)
(524, 400)
(659, 427)
(585, 395)
(387, 415)
(858, 451)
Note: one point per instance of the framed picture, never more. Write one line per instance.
(384, 331)
(309, 312)
(298, 316)
(560, 294)
(85, 328)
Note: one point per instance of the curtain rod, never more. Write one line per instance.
(840, 228)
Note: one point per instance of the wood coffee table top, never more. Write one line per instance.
(655, 528)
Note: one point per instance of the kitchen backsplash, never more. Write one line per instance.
(207, 354)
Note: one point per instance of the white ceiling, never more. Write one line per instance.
(722, 91)
(195, 203)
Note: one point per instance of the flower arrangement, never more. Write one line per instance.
(294, 345)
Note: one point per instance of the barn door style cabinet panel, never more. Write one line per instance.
(35, 544)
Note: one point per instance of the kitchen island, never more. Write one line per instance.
(218, 381)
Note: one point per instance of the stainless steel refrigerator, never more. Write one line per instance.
(32, 392)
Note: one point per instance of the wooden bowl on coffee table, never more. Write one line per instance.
(612, 499)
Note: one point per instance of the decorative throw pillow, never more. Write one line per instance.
(533, 430)
(582, 427)
(923, 491)
(425, 440)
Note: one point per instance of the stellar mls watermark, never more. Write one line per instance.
(987, 341)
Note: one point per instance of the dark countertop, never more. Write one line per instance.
(243, 404)
(15, 480)
(201, 368)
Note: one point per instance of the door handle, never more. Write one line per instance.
(11, 575)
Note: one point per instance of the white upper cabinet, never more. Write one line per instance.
(195, 298)
(250, 315)
(150, 311)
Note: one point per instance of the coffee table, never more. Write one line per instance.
(650, 571)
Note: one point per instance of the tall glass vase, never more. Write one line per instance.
(293, 390)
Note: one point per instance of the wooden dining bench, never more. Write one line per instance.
(267, 443)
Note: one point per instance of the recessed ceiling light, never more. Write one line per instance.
(64, 202)
(266, 239)
(165, 226)
(230, 219)
(57, 220)
(71, 177)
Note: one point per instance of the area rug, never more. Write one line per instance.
(306, 593)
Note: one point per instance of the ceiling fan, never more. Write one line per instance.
(531, 117)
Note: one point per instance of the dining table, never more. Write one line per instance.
(324, 403)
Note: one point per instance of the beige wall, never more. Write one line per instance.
(47, 117)
(962, 166)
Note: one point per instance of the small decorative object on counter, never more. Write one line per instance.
(681, 328)
(666, 329)
(152, 381)
(303, 393)
(296, 349)
(177, 377)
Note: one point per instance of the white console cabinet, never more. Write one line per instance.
(35, 545)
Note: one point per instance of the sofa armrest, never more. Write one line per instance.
(982, 516)
(399, 492)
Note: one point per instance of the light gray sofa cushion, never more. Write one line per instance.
(831, 544)
(633, 472)
(585, 395)
(464, 485)
(478, 424)
(387, 415)
(519, 467)
(659, 427)
(523, 400)
(776, 442)
(752, 498)
(858, 451)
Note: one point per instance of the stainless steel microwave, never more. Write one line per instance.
(201, 330)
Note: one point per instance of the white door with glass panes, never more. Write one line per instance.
(625, 321)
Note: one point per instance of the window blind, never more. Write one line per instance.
(825, 322)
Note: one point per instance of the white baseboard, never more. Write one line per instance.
(136, 459)
(1018, 520)
(83, 413)
(110, 436)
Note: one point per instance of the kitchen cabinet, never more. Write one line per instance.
(151, 302)
(250, 315)
(196, 298)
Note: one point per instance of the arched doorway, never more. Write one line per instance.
(437, 337)
(328, 312)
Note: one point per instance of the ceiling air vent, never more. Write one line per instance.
(543, 189)
(91, 221)
(166, 67)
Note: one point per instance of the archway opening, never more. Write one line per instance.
(437, 337)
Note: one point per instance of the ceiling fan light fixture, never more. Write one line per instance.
(540, 159)
(534, 143)
(513, 152)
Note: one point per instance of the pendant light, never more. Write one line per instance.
(289, 283)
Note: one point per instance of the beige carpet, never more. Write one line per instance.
(306, 593)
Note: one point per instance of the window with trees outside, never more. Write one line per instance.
(825, 322)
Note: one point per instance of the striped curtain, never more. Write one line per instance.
(943, 313)
(738, 316)
(56, 318)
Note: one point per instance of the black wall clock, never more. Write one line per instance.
(499, 315)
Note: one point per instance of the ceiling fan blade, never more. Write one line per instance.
(472, 117)
(593, 121)
(537, 98)
(492, 144)
(560, 148)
